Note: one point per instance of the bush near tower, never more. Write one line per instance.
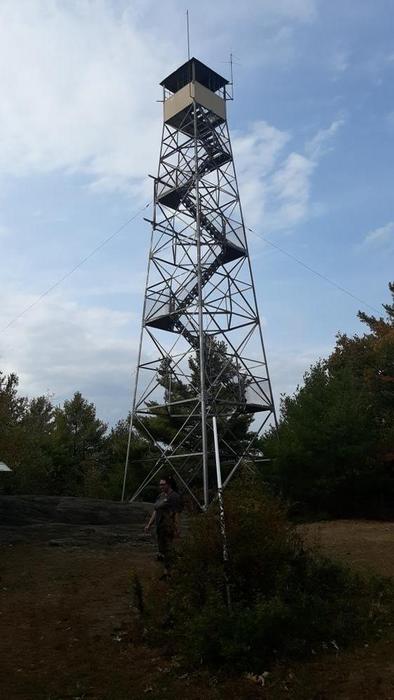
(288, 601)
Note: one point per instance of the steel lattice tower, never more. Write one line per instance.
(201, 350)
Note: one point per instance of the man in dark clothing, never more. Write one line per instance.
(166, 515)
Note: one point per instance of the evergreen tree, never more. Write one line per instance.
(78, 447)
(37, 425)
(225, 399)
(335, 452)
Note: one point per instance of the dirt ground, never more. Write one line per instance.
(364, 544)
(68, 624)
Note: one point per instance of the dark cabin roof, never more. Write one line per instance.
(204, 75)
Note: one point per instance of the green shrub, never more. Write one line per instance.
(286, 600)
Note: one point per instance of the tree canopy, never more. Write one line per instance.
(335, 452)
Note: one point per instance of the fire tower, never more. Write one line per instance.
(201, 349)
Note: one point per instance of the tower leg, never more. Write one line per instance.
(204, 436)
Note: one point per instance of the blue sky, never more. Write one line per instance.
(313, 134)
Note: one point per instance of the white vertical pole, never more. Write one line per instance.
(221, 511)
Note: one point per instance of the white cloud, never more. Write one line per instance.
(275, 181)
(257, 150)
(380, 236)
(322, 142)
(290, 189)
(61, 347)
(256, 153)
(78, 85)
(79, 80)
(287, 369)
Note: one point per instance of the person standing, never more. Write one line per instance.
(166, 517)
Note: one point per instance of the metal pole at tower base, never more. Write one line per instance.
(221, 513)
